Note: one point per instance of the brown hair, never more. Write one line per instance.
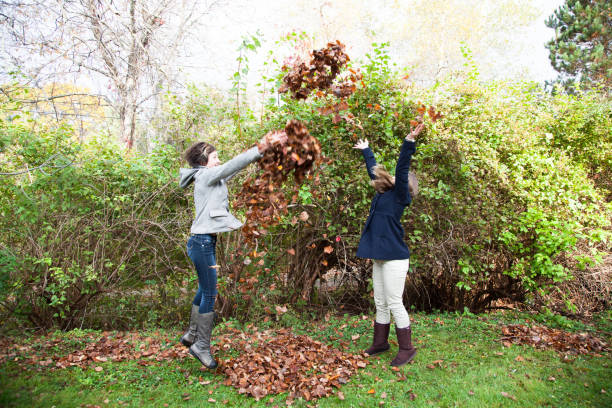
(385, 182)
(197, 154)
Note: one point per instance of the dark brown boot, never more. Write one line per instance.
(379, 344)
(406, 350)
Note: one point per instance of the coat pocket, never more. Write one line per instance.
(218, 213)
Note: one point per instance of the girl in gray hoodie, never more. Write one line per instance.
(212, 216)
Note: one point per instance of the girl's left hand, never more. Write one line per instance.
(272, 138)
(415, 132)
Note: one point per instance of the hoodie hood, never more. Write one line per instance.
(187, 176)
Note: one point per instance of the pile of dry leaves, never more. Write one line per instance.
(262, 196)
(542, 337)
(282, 362)
(267, 362)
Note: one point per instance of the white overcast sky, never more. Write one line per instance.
(214, 52)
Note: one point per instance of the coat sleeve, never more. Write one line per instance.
(370, 161)
(401, 170)
(226, 170)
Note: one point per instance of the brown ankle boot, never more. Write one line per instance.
(406, 350)
(379, 344)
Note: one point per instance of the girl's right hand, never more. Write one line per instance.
(361, 144)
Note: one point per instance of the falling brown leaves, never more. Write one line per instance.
(271, 363)
(262, 195)
(542, 337)
(422, 110)
(320, 73)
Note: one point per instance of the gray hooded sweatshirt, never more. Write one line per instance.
(210, 193)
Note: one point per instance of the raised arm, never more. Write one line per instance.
(368, 156)
(402, 168)
(233, 166)
(403, 164)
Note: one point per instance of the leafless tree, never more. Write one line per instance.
(132, 46)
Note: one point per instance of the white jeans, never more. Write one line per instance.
(389, 278)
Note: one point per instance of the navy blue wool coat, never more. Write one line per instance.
(383, 236)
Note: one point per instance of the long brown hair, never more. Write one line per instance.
(385, 181)
(197, 154)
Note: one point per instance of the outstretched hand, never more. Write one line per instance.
(415, 132)
(361, 144)
(272, 138)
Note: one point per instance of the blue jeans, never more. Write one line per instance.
(201, 250)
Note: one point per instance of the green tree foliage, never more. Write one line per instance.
(582, 48)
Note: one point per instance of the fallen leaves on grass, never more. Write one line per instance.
(115, 347)
(542, 337)
(276, 362)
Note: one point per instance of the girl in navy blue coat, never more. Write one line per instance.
(382, 240)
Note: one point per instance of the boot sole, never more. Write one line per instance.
(405, 362)
(201, 362)
(378, 352)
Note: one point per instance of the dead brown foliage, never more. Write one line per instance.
(542, 337)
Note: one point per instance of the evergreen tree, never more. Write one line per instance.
(582, 48)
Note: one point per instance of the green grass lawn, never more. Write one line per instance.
(475, 370)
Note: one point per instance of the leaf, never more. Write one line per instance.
(281, 309)
(328, 249)
(340, 395)
(355, 336)
(519, 358)
(327, 110)
(304, 216)
(291, 251)
(505, 394)
(371, 391)
(98, 369)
